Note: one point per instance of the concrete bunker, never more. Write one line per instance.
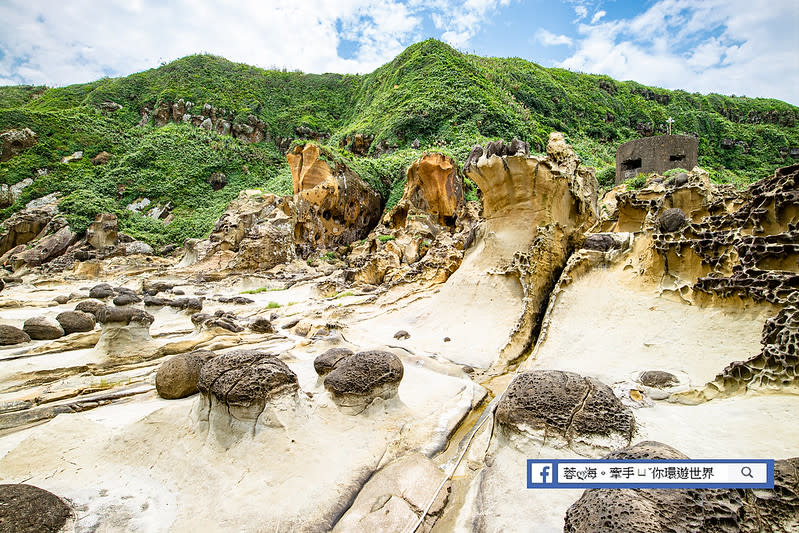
(656, 154)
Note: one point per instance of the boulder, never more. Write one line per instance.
(552, 404)
(47, 248)
(13, 142)
(101, 291)
(155, 301)
(177, 377)
(126, 299)
(185, 303)
(103, 233)
(328, 360)
(76, 321)
(217, 180)
(671, 220)
(245, 378)
(600, 242)
(101, 158)
(261, 324)
(43, 328)
(359, 379)
(91, 307)
(658, 379)
(12, 335)
(138, 247)
(29, 509)
(75, 156)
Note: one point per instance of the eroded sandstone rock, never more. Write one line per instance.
(103, 233)
(357, 380)
(13, 142)
(423, 238)
(125, 332)
(552, 405)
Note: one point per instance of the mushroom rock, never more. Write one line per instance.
(125, 333)
(556, 406)
(357, 380)
(243, 392)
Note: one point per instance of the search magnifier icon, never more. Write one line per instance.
(746, 471)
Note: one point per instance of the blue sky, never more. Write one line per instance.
(743, 47)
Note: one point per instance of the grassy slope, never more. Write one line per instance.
(447, 100)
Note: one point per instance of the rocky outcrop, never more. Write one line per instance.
(29, 509)
(9, 194)
(25, 226)
(48, 247)
(103, 233)
(423, 237)
(357, 380)
(13, 142)
(102, 158)
(555, 406)
(178, 376)
(333, 205)
(210, 118)
(536, 211)
(713, 510)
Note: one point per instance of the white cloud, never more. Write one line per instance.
(463, 19)
(547, 38)
(598, 15)
(743, 47)
(581, 11)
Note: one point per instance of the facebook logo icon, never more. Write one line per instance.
(540, 473)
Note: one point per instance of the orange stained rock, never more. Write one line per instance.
(307, 168)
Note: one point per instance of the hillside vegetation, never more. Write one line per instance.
(430, 93)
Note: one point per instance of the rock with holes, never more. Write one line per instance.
(720, 510)
(333, 206)
(359, 379)
(243, 392)
(558, 406)
(177, 377)
(28, 509)
(76, 321)
(43, 328)
(11, 335)
(328, 360)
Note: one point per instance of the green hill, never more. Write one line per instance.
(430, 93)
